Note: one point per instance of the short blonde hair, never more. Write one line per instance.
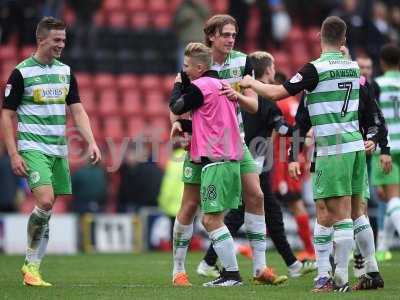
(200, 52)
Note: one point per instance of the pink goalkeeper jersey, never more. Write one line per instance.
(215, 126)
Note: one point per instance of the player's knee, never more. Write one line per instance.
(211, 222)
(46, 204)
(355, 214)
(255, 199)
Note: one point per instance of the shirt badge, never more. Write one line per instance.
(7, 91)
(296, 78)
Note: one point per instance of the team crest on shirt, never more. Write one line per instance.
(188, 172)
(235, 72)
(62, 78)
(7, 91)
(34, 177)
(296, 78)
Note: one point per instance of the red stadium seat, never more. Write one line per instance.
(159, 128)
(112, 5)
(131, 103)
(140, 20)
(295, 35)
(99, 18)
(174, 4)
(69, 16)
(108, 103)
(136, 127)
(162, 20)
(156, 109)
(313, 35)
(168, 83)
(84, 80)
(150, 82)
(155, 97)
(220, 6)
(155, 6)
(26, 51)
(104, 81)
(88, 100)
(127, 81)
(113, 128)
(117, 19)
(8, 52)
(135, 5)
(8, 66)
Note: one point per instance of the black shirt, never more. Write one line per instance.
(15, 84)
(186, 96)
(305, 79)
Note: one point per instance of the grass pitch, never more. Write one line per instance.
(148, 276)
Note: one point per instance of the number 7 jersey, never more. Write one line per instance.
(333, 105)
(389, 100)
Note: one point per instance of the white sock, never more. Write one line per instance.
(343, 237)
(365, 240)
(323, 248)
(181, 239)
(224, 247)
(393, 211)
(43, 243)
(256, 234)
(37, 224)
(385, 236)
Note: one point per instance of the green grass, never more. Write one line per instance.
(148, 276)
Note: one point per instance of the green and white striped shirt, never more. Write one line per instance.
(333, 105)
(389, 100)
(234, 68)
(39, 94)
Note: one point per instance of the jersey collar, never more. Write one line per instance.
(40, 64)
(226, 62)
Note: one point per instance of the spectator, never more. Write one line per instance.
(395, 23)
(352, 12)
(9, 183)
(170, 196)
(89, 186)
(140, 180)
(239, 9)
(83, 30)
(19, 17)
(188, 23)
(378, 30)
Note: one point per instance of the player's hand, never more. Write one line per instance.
(369, 147)
(246, 82)
(19, 166)
(294, 170)
(176, 130)
(386, 163)
(94, 153)
(345, 52)
(178, 78)
(228, 91)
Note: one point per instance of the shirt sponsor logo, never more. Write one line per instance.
(41, 95)
(7, 91)
(296, 78)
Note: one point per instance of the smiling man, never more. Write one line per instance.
(38, 91)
